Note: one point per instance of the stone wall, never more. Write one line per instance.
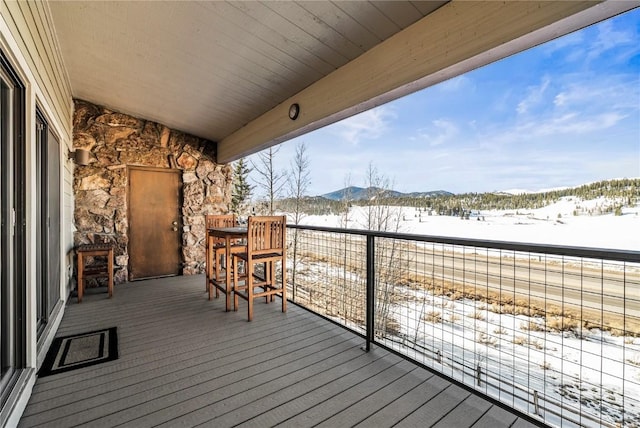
(116, 141)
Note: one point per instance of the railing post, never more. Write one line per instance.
(370, 289)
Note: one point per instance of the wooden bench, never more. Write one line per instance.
(94, 250)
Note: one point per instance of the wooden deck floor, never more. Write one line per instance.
(184, 361)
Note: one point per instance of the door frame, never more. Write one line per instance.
(49, 222)
(180, 219)
(13, 239)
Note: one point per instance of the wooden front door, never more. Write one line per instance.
(155, 200)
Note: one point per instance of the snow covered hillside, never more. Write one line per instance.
(565, 222)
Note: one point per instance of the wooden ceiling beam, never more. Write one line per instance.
(456, 38)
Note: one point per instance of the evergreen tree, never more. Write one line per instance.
(241, 193)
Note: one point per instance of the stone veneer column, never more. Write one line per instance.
(116, 141)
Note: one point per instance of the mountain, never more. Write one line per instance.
(430, 194)
(355, 193)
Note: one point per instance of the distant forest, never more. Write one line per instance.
(616, 194)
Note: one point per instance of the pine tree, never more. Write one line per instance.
(241, 193)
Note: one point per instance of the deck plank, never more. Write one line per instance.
(376, 399)
(436, 408)
(466, 413)
(341, 394)
(496, 417)
(184, 361)
(264, 397)
(405, 405)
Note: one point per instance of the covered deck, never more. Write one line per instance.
(184, 361)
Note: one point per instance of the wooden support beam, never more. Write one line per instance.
(456, 38)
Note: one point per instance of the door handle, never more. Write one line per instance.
(175, 229)
(175, 223)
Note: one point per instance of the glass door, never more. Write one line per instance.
(48, 222)
(12, 229)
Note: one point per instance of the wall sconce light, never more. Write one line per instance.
(294, 111)
(79, 156)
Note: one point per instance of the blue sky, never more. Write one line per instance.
(561, 114)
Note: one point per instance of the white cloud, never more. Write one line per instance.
(611, 93)
(591, 44)
(581, 104)
(370, 125)
(570, 123)
(568, 41)
(609, 38)
(535, 95)
(442, 132)
(455, 84)
(561, 99)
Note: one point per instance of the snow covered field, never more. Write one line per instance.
(541, 226)
(590, 370)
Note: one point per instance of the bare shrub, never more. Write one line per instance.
(554, 310)
(634, 359)
(617, 327)
(520, 340)
(456, 295)
(523, 310)
(484, 338)
(433, 317)
(453, 318)
(478, 315)
(618, 332)
(532, 326)
(496, 308)
(500, 330)
(392, 326)
(536, 344)
(560, 323)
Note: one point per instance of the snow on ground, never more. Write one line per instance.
(568, 369)
(554, 224)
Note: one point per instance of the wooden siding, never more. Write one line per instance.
(32, 28)
(184, 361)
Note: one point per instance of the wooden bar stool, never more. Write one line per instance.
(94, 250)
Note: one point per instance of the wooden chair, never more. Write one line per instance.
(266, 245)
(216, 251)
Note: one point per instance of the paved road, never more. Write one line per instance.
(601, 289)
(565, 284)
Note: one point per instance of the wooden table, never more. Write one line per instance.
(229, 234)
(94, 250)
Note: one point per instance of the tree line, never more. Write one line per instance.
(286, 191)
(617, 194)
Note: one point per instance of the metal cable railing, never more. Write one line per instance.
(551, 331)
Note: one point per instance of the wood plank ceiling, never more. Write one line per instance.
(227, 71)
